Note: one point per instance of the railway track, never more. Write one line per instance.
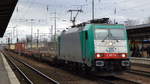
(141, 65)
(29, 73)
(117, 80)
(139, 72)
(103, 80)
(114, 80)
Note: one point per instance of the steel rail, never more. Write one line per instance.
(114, 79)
(139, 72)
(133, 82)
(39, 72)
(106, 81)
(19, 70)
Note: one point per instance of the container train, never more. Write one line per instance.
(94, 46)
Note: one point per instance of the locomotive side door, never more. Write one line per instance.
(85, 46)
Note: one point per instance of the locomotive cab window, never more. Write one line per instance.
(111, 34)
(86, 35)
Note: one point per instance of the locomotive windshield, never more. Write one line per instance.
(109, 34)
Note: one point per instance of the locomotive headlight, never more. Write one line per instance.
(110, 43)
(98, 55)
(123, 55)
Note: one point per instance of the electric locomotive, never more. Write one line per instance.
(95, 46)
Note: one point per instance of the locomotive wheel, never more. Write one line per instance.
(85, 68)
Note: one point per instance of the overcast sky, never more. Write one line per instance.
(42, 13)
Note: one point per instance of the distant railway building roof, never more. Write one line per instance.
(138, 26)
(139, 32)
(6, 9)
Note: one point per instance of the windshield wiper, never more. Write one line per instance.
(105, 38)
(109, 36)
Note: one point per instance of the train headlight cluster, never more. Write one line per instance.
(125, 63)
(98, 55)
(110, 44)
(100, 63)
(123, 55)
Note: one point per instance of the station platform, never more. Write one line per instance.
(138, 60)
(7, 76)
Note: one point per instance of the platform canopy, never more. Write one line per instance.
(6, 9)
(139, 32)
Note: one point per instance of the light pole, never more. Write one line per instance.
(31, 20)
(55, 24)
(38, 38)
(51, 32)
(93, 9)
(55, 21)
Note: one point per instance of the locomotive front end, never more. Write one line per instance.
(111, 49)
